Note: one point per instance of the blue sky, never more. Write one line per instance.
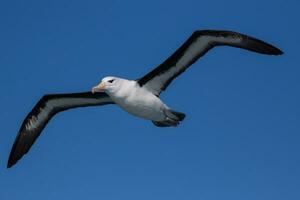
(240, 139)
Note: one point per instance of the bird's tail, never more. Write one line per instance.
(173, 118)
(179, 115)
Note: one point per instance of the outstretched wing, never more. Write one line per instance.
(43, 111)
(196, 46)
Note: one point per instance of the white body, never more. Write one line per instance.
(137, 101)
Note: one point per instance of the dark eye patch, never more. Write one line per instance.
(111, 81)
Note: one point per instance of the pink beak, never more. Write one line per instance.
(99, 88)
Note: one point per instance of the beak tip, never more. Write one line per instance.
(98, 88)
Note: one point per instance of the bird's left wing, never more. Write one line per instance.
(44, 110)
(199, 43)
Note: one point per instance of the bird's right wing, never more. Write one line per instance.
(43, 111)
(198, 44)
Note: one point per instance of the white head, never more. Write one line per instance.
(108, 84)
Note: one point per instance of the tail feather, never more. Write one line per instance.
(173, 118)
(179, 115)
(164, 124)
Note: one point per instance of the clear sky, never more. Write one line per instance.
(241, 136)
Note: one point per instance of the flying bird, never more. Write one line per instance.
(138, 97)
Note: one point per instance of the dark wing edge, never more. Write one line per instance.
(43, 111)
(203, 40)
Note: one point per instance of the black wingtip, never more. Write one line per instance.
(259, 46)
(271, 50)
(11, 161)
(246, 41)
(278, 52)
(15, 153)
(9, 165)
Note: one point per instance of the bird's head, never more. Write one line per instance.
(107, 84)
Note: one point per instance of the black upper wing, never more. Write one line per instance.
(43, 111)
(196, 46)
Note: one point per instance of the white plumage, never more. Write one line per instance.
(134, 99)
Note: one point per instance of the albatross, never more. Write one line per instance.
(138, 97)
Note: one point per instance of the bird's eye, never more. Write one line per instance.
(111, 81)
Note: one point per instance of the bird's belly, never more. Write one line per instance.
(144, 107)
